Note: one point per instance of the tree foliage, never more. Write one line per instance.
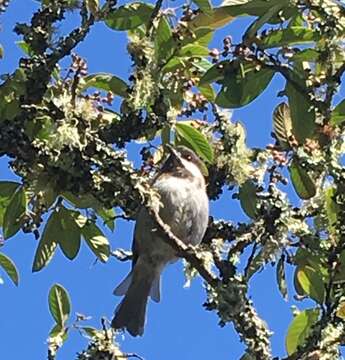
(67, 144)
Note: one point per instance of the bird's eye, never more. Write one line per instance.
(189, 157)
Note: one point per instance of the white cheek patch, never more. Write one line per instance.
(192, 168)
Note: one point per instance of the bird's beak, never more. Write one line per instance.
(174, 155)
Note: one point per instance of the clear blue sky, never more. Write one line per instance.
(178, 327)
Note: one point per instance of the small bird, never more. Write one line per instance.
(184, 207)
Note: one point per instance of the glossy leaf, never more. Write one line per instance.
(216, 18)
(204, 5)
(332, 209)
(129, 16)
(281, 277)
(69, 239)
(96, 241)
(215, 73)
(193, 50)
(207, 91)
(164, 42)
(48, 242)
(197, 141)
(248, 198)
(262, 20)
(107, 82)
(108, 216)
(282, 125)
(242, 85)
(9, 267)
(302, 181)
(311, 283)
(300, 329)
(338, 114)
(59, 304)
(14, 213)
(288, 37)
(302, 117)
(7, 189)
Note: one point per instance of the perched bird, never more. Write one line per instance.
(184, 207)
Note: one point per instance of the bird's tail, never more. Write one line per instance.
(131, 312)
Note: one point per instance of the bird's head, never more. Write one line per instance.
(183, 162)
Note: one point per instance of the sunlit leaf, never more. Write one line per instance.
(300, 329)
(129, 16)
(288, 37)
(59, 304)
(7, 189)
(108, 216)
(197, 141)
(14, 213)
(107, 82)
(164, 41)
(302, 181)
(96, 241)
(216, 18)
(10, 268)
(48, 242)
(302, 116)
(192, 50)
(282, 124)
(281, 277)
(242, 85)
(204, 5)
(311, 283)
(338, 114)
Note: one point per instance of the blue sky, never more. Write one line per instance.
(178, 327)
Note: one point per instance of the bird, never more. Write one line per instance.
(184, 207)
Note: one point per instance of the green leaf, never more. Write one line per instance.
(311, 283)
(301, 181)
(108, 216)
(25, 47)
(164, 41)
(249, 199)
(306, 55)
(296, 35)
(96, 241)
(69, 239)
(48, 242)
(282, 125)
(216, 18)
(242, 84)
(90, 331)
(215, 73)
(204, 5)
(300, 329)
(193, 50)
(302, 117)
(82, 202)
(208, 91)
(129, 16)
(14, 213)
(338, 114)
(281, 277)
(252, 7)
(197, 141)
(7, 189)
(262, 20)
(10, 268)
(107, 82)
(59, 304)
(332, 210)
